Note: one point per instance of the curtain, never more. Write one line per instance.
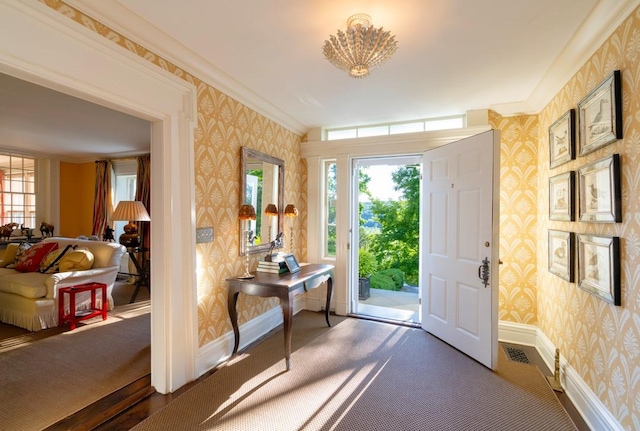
(143, 194)
(102, 203)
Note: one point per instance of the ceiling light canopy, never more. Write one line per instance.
(361, 48)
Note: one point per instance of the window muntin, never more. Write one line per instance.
(17, 190)
(431, 124)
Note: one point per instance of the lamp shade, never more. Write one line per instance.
(130, 211)
(247, 212)
(271, 210)
(291, 211)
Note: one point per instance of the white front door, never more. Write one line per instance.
(459, 230)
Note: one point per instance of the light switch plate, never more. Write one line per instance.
(204, 234)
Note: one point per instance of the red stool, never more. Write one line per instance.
(74, 316)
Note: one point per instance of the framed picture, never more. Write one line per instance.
(292, 263)
(561, 254)
(562, 137)
(600, 115)
(599, 266)
(600, 197)
(561, 199)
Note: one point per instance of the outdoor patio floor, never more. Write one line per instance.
(391, 305)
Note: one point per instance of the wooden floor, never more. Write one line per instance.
(132, 404)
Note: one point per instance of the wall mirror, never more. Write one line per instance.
(262, 178)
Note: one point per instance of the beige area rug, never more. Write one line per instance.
(43, 382)
(363, 375)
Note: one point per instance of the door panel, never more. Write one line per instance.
(460, 229)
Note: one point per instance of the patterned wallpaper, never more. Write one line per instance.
(518, 221)
(601, 341)
(224, 125)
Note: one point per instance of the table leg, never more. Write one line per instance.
(287, 312)
(232, 300)
(329, 295)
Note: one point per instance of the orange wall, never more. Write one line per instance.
(77, 184)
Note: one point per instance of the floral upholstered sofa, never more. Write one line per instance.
(29, 283)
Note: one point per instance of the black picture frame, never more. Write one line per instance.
(561, 197)
(600, 115)
(292, 263)
(562, 137)
(561, 254)
(600, 194)
(599, 266)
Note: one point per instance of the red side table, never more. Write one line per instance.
(74, 316)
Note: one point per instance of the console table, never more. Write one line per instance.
(284, 286)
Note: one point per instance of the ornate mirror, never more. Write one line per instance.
(262, 178)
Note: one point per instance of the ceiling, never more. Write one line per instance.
(453, 56)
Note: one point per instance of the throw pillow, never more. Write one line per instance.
(50, 263)
(29, 261)
(21, 249)
(79, 259)
(9, 254)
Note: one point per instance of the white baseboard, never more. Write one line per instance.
(219, 350)
(592, 410)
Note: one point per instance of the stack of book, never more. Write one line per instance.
(278, 267)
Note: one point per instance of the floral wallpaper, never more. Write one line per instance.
(224, 126)
(518, 221)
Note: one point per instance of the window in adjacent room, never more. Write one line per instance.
(17, 190)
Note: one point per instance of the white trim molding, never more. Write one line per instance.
(592, 410)
(40, 45)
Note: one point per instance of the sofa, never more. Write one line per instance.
(29, 298)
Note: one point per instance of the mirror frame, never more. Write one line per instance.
(246, 154)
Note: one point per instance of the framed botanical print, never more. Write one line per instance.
(600, 115)
(562, 136)
(600, 197)
(561, 254)
(599, 266)
(561, 201)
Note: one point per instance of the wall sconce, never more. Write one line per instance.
(272, 211)
(290, 212)
(247, 212)
(130, 211)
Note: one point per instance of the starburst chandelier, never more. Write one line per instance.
(361, 48)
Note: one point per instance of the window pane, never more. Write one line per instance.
(341, 134)
(448, 123)
(406, 128)
(364, 132)
(330, 186)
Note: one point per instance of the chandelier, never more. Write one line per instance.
(361, 48)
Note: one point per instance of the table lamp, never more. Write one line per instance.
(290, 211)
(247, 212)
(130, 211)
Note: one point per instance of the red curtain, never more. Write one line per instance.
(143, 194)
(102, 204)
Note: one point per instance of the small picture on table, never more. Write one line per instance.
(292, 263)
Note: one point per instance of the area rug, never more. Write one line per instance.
(44, 382)
(363, 375)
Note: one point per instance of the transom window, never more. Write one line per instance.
(17, 190)
(426, 125)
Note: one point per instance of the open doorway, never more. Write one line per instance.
(386, 238)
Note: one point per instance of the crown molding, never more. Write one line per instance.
(605, 17)
(124, 21)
